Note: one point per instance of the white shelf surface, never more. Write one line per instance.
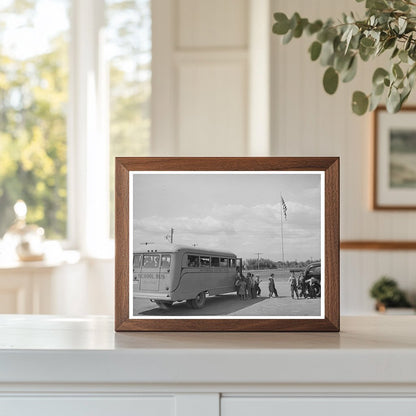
(53, 349)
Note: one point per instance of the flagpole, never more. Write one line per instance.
(281, 226)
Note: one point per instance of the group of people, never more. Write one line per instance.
(248, 287)
(299, 286)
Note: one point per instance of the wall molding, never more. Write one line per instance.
(377, 245)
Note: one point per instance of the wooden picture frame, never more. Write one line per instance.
(394, 184)
(128, 191)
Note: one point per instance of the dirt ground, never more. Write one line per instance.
(230, 304)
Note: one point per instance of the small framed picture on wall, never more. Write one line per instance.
(394, 150)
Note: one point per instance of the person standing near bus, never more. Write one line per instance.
(242, 289)
(293, 286)
(302, 284)
(272, 287)
(257, 285)
(253, 286)
(248, 285)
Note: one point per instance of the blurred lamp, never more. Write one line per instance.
(25, 241)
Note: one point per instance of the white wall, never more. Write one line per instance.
(201, 80)
(308, 122)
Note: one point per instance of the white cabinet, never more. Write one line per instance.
(88, 406)
(324, 406)
(80, 366)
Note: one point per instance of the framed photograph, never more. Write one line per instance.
(227, 244)
(394, 179)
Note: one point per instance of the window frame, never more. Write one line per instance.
(87, 132)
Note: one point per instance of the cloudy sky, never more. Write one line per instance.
(233, 212)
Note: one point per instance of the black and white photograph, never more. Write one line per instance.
(226, 244)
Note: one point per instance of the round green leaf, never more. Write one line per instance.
(379, 75)
(330, 80)
(294, 20)
(408, 42)
(314, 27)
(403, 56)
(298, 30)
(288, 37)
(281, 26)
(365, 53)
(389, 43)
(342, 61)
(397, 71)
(351, 71)
(395, 52)
(374, 102)
(315, 50)
(378, 90)
(359, 103)
(393, 101)
(327, 54)
(367, 42)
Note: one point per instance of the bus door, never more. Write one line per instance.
(149, 275)
(239, 266)
(165, 266)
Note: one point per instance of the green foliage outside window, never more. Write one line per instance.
(129, 37)
(34, 104)
(33, 99)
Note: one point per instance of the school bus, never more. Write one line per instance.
(174, 273)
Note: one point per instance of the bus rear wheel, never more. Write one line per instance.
(198, 302)
(163, 305)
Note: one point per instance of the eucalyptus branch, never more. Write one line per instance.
(389, 25)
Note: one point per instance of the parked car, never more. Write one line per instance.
(313, 279)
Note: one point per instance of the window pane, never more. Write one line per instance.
(129, 52)
(151, 261)
(205, 261)
(223, 262)
(33, 100)
(137, 260)
(165, 261)
(215, 262)
(193, 261)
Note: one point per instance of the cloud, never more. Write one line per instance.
(241, 229)
(196, 225)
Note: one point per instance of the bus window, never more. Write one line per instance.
(223, 262)
(232, 262)
(215, 262)
(151, 261)
(204, 261)
(193, 261)
(165, 261)
(137, 261)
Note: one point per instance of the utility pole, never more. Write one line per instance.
(171, 235)
(258, 260)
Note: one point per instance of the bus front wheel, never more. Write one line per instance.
(199, 301)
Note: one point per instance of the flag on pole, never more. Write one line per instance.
(284, 207)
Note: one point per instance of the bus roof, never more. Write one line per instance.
(175, 248)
